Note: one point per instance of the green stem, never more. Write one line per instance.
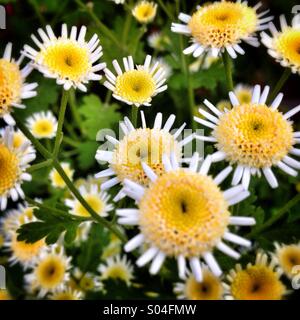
(228, 70)
(79, 197)
(71, 142)
(134, 115)
(284, 77)
(55, 210)
(279, 215)
(41, 149)
(143, 30)
(74, 110)
(166, 10)
(126, 29)
(38, 12)
(103, 28)
(41, 165)
(61, 118)
(48, 156)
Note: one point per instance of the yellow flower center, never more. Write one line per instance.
(287, 43)
(209, 289)
(50, 272)
(289, 256)
(56, 178)
(19, 139)
(244, 96)
(26, 215)
(67, 59)
(257, 282)
(183, 213)
(42, 128)
(26, 251)
(223, 23)
(64, 296)
(9, 170)
(145, 11)
(87, 283)
(142, 145)
(10, 85)
(254, 135)
(136, 86)
(117, 272)
(94, 202)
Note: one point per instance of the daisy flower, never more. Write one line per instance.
(68, 58)
(284, 45)
(140, 145)
(253, 136)
(287, 257)
(14, 162)
(13, 88)
(66, 293)
(88, 281)
(22, 252)
(136, 85)
(157, 40)
(243, 93)
(43, 125)
(144, 11)
(56, 179)
(221, 26)
(19, 139)
(14, 218)
(97, 200)
(211, 288)
(259, 281)
(183, 214)
(50, 271)
(117, 268)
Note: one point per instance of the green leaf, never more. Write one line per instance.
(91, 250)
(97, 116)
(51, 224)
(87, 151)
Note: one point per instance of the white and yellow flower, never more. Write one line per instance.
(117, 268)
(97, 200)
(288, 258)
(144, 11)
(88, 281)
(136, 85)
(43, 125)
(157, 40)
(68, 58)
(56, 179)
(22, 252)
(50, 272)
(140, 145)
(284, 45)
(14, 162)
(221, 26)
(13, 88)
(66, 293)
(183, 214)
(211, 288)
(259, 281)
(253, 136)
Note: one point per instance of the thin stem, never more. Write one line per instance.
(48, 156)
(71, 142)
(74, 110)
(142, 31)
(42, 150)
(79, 197)
(279, 215)
(61, 118)
(284, 77)
(38, 12)
(103, 28)
(134, 115)
(41, 165)
(166, 10)
(228, 70)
